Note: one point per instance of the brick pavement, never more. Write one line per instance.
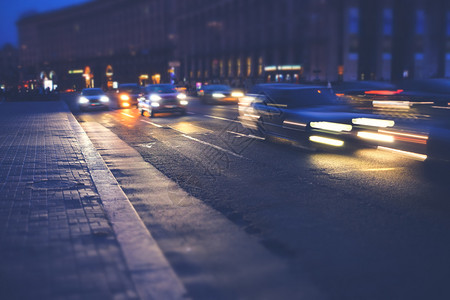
(55, 239)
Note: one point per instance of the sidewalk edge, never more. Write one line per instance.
(151, 273)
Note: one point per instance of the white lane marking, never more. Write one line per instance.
(223, 119)
(250, 136)
(365, 170)
(213, 146)
(151, 123)
(191, 113)
(125, 114)
(441, 107)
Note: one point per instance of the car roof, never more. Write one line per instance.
(92, 89)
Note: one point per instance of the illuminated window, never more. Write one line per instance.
(230, 68)
(249, 66)
(420, 22)
(221, 68)
(388, 22)
(353, 20)
(260, 66)
(238, 66)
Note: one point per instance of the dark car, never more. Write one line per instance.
(128, 94)
(93, 98)
(371, 94)
(159, 98)
(219, 93)
(311, 115)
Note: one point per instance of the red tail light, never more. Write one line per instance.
(383, 92)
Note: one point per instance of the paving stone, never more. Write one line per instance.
(55, 239)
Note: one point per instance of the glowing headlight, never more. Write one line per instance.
(155, 98)
(124, 97)
(331, 126)
(104, 99)
(181, 96)
(376, 136)
(373, 122)
(83, 100)
(155, 104)
(326, 141)
(218, 95)
(237, 94)
(184, 102)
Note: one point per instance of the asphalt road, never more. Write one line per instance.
(363, 225)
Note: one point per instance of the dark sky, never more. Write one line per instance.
(11, 10)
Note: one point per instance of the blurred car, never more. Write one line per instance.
(93, 98)
(159, 98)
(310, 115)
(219, 93)
(364, 88)
(438, 146)
(128, 94)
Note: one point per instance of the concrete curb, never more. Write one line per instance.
(151, 273)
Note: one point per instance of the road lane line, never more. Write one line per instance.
(366, 170)
(213, 146)
(250, 136)
(191, 113)
(151, 123)
(223, 119)
(125, 114)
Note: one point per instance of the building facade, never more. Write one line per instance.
(98, 42)
(239, 41)
(9, 60)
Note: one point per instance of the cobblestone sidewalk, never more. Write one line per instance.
(55, 240)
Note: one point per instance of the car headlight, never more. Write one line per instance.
(155, 98)
(104, 99)
(184, 102)
(218, 95)
(124, 97)
(237, 94)
(155, 104)
(331, 126)
(83, 100)
(181, 96)
(373, 122)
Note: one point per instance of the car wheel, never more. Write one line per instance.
(142, 112)
(151, 114)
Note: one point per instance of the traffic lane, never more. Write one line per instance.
(380, 212)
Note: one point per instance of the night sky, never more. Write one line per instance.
(11, 10)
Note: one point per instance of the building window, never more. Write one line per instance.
(419, 56)
(249, 66)
(260, 66)
(230, 68)
(388, 21)
(221, 68)
(420, 22)
(238, 67)
(353, 20)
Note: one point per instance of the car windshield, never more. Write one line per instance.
(92, 92)
(161, 89)
(217, 87)
(295, 98)
(133, 89)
